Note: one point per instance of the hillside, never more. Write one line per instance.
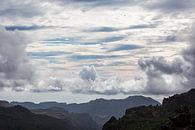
(80, 121)
(19, 118)
(176, 113)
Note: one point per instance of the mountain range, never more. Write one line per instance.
(100, 109)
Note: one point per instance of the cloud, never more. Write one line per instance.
(142, 26)
(172, 5)
(25, 28)
(165, 77)
(162, 76)
(124, 47)
(68, 41)
(114, 29)
(112, 39)
(161, 65)
(15, 69)
(159, 76)
(48, 84)
(88, 73)
(15, 8)
(101, 3)
(102, 29)
(93, 57)
(39, 55)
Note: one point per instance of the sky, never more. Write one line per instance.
(80, 50)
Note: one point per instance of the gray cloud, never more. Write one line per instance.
(18, 8)
(124, 47)
(180, 72)
(25, 28)
(88, 73)
(156, 69)
(93, 57)
(113, 29)
(15, 70)
(172, 5)
(98, 3)
(161, 65)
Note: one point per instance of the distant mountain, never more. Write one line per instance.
(100, 109)
(176, 113)
(42, 105)
(19, 118)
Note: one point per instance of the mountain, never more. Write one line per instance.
(80, 121)
(4, 103)
(100, 109)
(19, 118)
(176, 113)
(42, 105)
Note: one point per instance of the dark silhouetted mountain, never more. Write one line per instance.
(19, 118)
(80, 121)
(178, 100)
(176, 113)
(4, 103)
(100, 109)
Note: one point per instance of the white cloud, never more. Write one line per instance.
(88, 73)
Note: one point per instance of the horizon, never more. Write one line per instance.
(107, 99)
(75, 51)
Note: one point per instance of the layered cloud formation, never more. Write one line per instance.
(97, 46)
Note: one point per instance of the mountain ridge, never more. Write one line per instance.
(100, 109)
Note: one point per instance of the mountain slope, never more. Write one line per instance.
(80, 121)
(179, 109)
(19, 118)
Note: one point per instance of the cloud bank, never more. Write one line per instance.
(15, 70)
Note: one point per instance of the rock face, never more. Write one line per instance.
(176, 113)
